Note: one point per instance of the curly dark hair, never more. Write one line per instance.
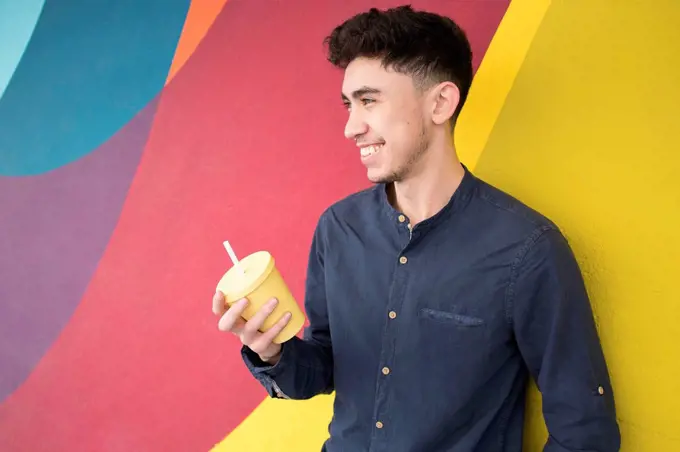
(429, 47)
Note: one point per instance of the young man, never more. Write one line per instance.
(432, 296)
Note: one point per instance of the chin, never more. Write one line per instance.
(378, 176)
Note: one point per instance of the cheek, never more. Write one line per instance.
(398, 127)
(407, 133)
(401, 129)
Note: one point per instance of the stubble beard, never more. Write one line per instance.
(401, 173)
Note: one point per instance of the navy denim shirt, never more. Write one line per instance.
(428, 335)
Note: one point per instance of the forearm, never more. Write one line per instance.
(304, 370)
(305, 367)
(556, 333)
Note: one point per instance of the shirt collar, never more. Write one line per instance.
(459, 199)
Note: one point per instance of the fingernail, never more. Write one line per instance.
(287, 315)
(243, 302)
(272, 302)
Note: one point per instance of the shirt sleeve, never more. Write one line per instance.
(305, 367)
(557, 335)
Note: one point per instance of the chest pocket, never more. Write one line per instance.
(451, 318)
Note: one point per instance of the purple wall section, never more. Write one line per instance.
(55, 228)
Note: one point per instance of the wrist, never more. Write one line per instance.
(272, 358)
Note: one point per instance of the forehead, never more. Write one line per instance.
(369, 72)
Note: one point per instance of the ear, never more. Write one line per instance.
(445, 101)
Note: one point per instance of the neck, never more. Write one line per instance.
(430, 186)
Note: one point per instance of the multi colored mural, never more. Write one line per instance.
(136, 136)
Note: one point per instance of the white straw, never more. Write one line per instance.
(232, 255)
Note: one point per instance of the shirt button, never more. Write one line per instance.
(600, 390)
(392, 315)
(403, 259)
(402, 218)
(385, 370)
(379, 424)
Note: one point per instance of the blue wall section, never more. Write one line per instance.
(89, 67)
(17, 21)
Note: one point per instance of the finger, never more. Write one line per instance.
(252, 326)
(265, 339)
(231, 320)
(237, 329)
(219, 307)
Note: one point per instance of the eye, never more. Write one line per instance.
(367, 101)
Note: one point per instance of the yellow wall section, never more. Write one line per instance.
(586, 135)
(282, 426)
(589, 135)
(495, 76)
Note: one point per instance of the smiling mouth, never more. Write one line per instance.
(368, 151)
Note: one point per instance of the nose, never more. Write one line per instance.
(355, 126)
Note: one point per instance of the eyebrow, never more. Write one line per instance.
(361, 92)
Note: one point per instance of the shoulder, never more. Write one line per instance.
(354, 203)
(518, 225)
(539, 246)
(502, 211)
(354, 206)
(540, 238)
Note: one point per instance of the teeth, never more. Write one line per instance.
(370, 150)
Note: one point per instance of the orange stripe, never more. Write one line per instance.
(201, 15)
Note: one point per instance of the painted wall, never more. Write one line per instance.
(136, 138)
(588, 134)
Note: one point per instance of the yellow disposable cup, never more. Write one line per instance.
(256, 278)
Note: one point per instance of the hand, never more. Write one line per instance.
(231, 320)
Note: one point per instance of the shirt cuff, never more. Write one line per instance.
(264, 372)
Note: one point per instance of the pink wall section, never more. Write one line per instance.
(245, 143)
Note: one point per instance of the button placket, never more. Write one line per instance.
(405, 222)
(387, 352)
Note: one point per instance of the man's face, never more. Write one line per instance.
(386, 119)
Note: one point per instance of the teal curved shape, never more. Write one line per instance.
(88, 69)
(17, 21)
